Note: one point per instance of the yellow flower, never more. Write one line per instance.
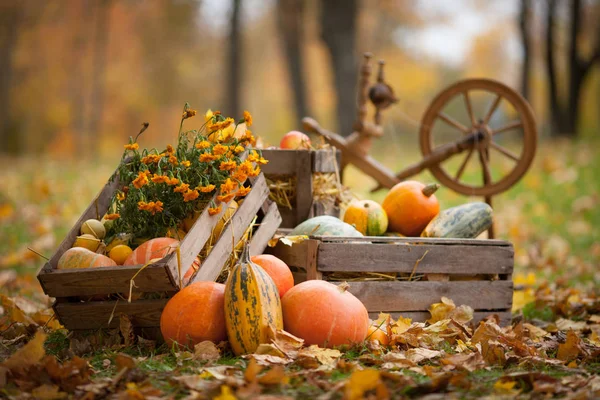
(160, 178)
(111, 217)
(225, 198)
(133, 146)
(214, 210)
(141, 180)
(190, 195)
(170, 149)
(248, 118)
(207, 188)
(152, 158)
(188, 114)
(203, 145)
(184, 187)
(121, 196)
(172, 181)
(240, 176)
(185, 163)
(206, 157)
(245, 167)
(239, 149)
(227, 165)
(254, 172)
(219, 149)
(208, 116)
(228, 186)
(156, 207)
(253, 156)
(173, 159)
(262, 161)
(243, 191)
(142, 205)
(248, 137)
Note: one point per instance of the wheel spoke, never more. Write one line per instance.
(490, 112)
(469, 107)
(487, 175)
(504, 151)
(464, 164)
(508, 127)
(453, 122)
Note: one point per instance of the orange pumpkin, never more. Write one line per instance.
(410, 205)
(277, 270)
(79, 257)
(153, 248)
(195, 314)
(377, 333)
(191, 270)
(324, 314)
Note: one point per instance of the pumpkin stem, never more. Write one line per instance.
(245, 257)
(430, 189)
(343, 286)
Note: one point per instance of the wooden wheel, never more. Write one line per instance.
(521, 130)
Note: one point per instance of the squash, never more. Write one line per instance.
(79, 257)
(461, 222)
(196, 313)
(277, 270)
(324, 314)
(325, 225)
(410, 205)
(120, 253)
(93, 227)
(153, 248)
(87, 241)
(367, 216)
(378, 333)
(252, 305)
(191, 271)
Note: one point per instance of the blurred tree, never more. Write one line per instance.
(338, 30)
(235, 62)
(524, 25)
(290, 15)
(565, 114)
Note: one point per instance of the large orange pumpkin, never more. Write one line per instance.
(277, 270)
(153, 248)
(324, 314)
(410, 205)
(194, 314)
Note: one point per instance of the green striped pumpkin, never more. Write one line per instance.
(367, 216)
(461, 222)
(252, 304)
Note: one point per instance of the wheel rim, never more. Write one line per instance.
(525, 122)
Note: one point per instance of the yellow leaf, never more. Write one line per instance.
(440, 311)
(13, 313)
(571, 348)
(521, 298)
(252, 370)
(275, 376)
(505, 387)
(401, 325)
(525, 280)
(363, 381)
(291, 240)
(28, 355)
(225, 394)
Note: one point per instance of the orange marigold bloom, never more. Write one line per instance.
(227, 165)
(243, 191)
(238, 149)
(160, 178)
(132, 146)
(121, 196)
(219, 149)
(190, 195)
(206, 157)
(245, 167)
(184, 187)
(173, 159)
(207, 188)
(111, 217)
(228, 186)
(253, 156)
(170, 149)
(214, 210)
(172, 181)
(152, 158)
(240, 176)
(225, 198)
(254, 172)
(185, 163)
(188, 114)
(203, 144)
(141, 180)
(248, 118)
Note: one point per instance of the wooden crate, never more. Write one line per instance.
(301, 164)
(479, 272)
(68, 286)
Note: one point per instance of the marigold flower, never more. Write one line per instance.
(184, 187)
(208, 115)
(121, 196)
(206, 157)
(228, 186)
(190, 195)
(227, 165)
(248, 137)
(185, 163)
(240, 176)
(111, 217)
(172, 181)
(253, 156)
(243, 191)
(141, 180)
(245, 167)
(248, 118)
(188, 114)
(238, 149)
(173, 159)
(225, 198)
(219, 149)
(142, 205)
(254, 172)
(170, 149)
(132, 146)
(160, 178)
(214, 210)
(152, 158)
(156, 207)
(203, 145)
(207, 188)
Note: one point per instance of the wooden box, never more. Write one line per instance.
(163, 277)
(473, 272)
(301, 165)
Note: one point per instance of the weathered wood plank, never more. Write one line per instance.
(304, 186)
(312, 251)
(266, 230)
(292, 255)
(419, 295)
(241, 220)
(326, 161)
(434, 258)
(288, 217)
(283, 162)
(105, 280)
(96, 314)
(422, 316)
(414, 240)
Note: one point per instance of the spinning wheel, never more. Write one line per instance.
(479, 138)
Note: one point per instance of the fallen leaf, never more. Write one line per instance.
(326, 357)
(567, 324)
(252, 370)
(126, 329)
(225, 394)
(123, 361)
(268, 359)
(206, 351)
(466, 361)
(12, 313)
(506, 387)
(28, 355)
(462, 314)
(440, 311)
(364, 381)
(48, 392)
(291, 240)
(396, 360)
(420, 354)
(571, 349)
(70, 374)
(285, 342)
(275, 376)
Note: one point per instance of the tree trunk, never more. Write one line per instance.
(11, 15)
(235, 62)
(98, 73)
(338, 29)
(556, 111)
(524, 21)
(290, 15)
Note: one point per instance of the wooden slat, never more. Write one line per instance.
(288, 217)
(96, 314)
(211, 267)
(434, 258)
(419, 295)
(105, 280)
(292, 255)
(266, 230)
(281, 162)
(304, 186)
(422, 316)
(326, 161)
(414, 240)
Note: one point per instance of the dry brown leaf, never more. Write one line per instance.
(12, 313)
(325, 357)
(28, 355)
(123, 361)
(275, 376)
(252, 370)
(466, 361)
(69, 374)
(126, 328)
(361, 382)
(268, 359)
(46, 318)
(571, 349)
(396, 360)
(462, 314)
(206, 351)
(567, 324)
(420, 354)
(48, 392)
(441, 311)
(287, 343)
(269, 349)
